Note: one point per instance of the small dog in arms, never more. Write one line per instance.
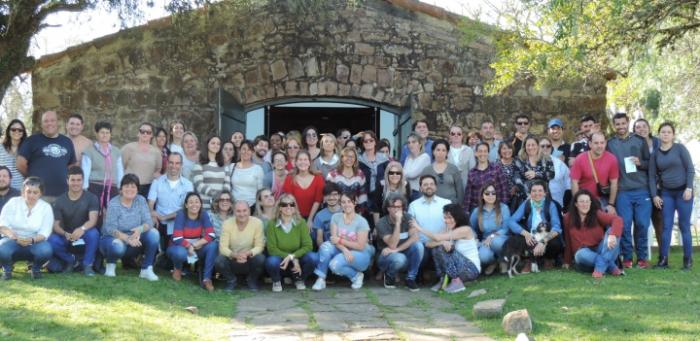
(514, 248)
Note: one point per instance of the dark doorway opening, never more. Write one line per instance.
(325, 119)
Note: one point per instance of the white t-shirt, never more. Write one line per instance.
(246, 182)
(27, 224)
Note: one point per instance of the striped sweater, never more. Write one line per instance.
(209, 180)
(187, 230)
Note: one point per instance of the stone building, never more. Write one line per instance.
(377, 65)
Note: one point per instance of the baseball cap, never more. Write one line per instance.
(555, 122)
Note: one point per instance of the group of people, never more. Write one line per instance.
(303, 203)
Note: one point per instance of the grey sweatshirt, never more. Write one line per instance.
(674, 168)
(633, 145)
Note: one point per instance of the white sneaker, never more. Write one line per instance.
(148, 274)
(300, 285)
(357, 281)
(319, 285)
(277, 287)
(110, 270)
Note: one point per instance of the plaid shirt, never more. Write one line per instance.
(478, 178)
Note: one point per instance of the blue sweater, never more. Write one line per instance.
(514, 222)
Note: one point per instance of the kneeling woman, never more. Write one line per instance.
(193, 234)
(289, 245)
(347, 252)
(455, 251)
(588, 241)
(26, 223)
(525, 220)
(128, 230)
(490, 221)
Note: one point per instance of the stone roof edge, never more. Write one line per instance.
(410, 5)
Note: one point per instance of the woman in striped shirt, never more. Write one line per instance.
(210, 176)
(14, 136)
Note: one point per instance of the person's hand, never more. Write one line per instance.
(348, 256)
(658, 202)
(387, 251)
(242, 257)
(635, 160)
(134, 239)
(10, 234)
(688, 194)
(612, 241)
(155, 217)
(538, 250)
(612, 210)
(487, 241)
(198, 244)
(285, 262)
(24, 241)
(296, 268)
(530, 174)
(190, 250)
(335, 240)
(398, 215)
(529, 239)
(77, 234)
(446, 245)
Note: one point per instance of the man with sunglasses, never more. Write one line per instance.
(522, 132)
(47, 155)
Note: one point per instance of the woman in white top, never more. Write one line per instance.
(561, 182)
(189, 144)
(26, 224)
(460, 154)
(327, 159)
(455, 251)
(416, 161)
(177, 133)
(247, 177)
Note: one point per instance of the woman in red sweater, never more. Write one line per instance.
(305, 186)
(592, 236)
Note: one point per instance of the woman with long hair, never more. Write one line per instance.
(483, 173)
(372, 164)
(310, 142)
(490, 221)
(348, 252)
(161, 142)
(15, 134)
(510, 172)
(246, 176)
(193, 235)
(177, 133)
(228, 150)
(279, 172)
(306, 187)
(415, 163)
(455, 251)
(395, 182)
(643, 129)
(221, 210)
(532, 164)
(350, 178)
(592, 236)
(265, 205)
(292, 146)
(449, 179)
(236, 138)
(327, 158)
(210, 177)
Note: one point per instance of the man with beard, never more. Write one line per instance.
(6, 192)
(260, 147)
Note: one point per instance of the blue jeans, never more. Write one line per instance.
(114, 249)
(634, 207)
(673, 201)
(488, 254)
(206, 254)
(602, 260)
(307, 263)
(62, 257)
(398, 261)
(330, 256)
(10, 252)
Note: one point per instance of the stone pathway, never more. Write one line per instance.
(340, 313)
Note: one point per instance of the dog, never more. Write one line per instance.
(514, 248)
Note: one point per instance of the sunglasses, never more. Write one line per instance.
(490, 193)
(16, 130)
(395, 173)
(145, 132)
(287, 204)
(522, 123)
(345, 136)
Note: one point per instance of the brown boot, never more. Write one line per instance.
(208, 285)
(177, 275)
(527, 267)
(548, 264)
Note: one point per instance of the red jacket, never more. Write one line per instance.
(577, 238)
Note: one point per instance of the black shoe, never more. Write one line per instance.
(6, 276)
(230, 286)
(411, 285)
(687, 263)
(87, 271)
(36, 274)
(662, 264)
(389, 282)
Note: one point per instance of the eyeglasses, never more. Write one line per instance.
(522, 123)
(224, 200)
(399, 207)
(395, 173)
(287, 204)
(455, 134)
(16, 130)
(545, 146)
(145, 132)
(490, 193)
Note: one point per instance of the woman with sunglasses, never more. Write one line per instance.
(210, 176)
(292, 147)
(561, 182)
(348, 252)
(142, 158)
(221, 210)
(193, 235)
(15, 134)
(289, 245)
(395, 182)
(532, 164)
(372, 164)
(490, 221)
(327, 160)
(306, 187)
(459, 154)
(449, 179)
(310, 142)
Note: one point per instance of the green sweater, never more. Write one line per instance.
(281, 244)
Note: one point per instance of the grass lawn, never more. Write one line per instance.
(566, 305)
(69, 307)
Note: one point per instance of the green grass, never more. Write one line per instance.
(65, 307)
(567, 305)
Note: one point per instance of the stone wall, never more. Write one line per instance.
(385, 52)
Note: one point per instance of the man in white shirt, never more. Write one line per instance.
(427, 213)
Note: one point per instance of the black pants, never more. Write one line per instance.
(229, 268)
(552, 251)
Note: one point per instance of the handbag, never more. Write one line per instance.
(603, 191)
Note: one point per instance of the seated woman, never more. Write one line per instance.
(241, 248)
(128, 230)
(525, 220)
(347, 252)
(221, 210)
(592, 236)
(455, 251)
(490, 221)
(25, 223)
(289, 245)
(193, 235)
